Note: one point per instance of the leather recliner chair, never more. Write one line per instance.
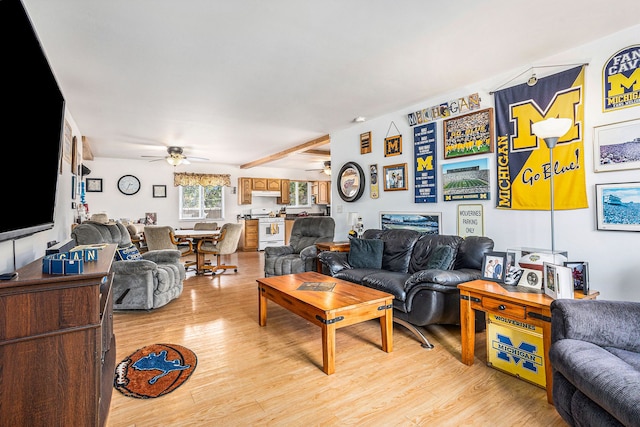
(300, 254)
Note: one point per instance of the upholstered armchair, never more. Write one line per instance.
(149, 280)
(300, 254)
(225, 244)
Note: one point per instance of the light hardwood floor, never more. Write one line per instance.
(249, 375)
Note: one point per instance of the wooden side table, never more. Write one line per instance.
(330, 246)
(492, 298)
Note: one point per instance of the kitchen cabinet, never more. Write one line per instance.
(288, 225)
(265, 184)
(324, 193)
(284, 192)
(244, 191)
(249, 238)
(57, 347)
(321, 191)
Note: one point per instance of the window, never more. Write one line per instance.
(299, 194)
(198, 202)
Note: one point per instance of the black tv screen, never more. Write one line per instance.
(32, 127)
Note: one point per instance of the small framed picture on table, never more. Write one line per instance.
(494, 265)
(580, 275)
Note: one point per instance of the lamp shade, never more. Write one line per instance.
(551, 128)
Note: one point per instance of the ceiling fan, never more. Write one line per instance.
(326, 169)
(176, 157)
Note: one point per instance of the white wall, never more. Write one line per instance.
(613, 256)
(118, 206)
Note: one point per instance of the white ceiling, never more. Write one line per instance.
(235, 81)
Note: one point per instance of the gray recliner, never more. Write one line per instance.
(141, 284)
(300, 254)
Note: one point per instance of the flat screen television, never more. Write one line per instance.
(32, 127)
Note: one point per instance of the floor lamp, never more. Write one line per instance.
(550, 130)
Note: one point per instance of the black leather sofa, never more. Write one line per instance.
(423, 296)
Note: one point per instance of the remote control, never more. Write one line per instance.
(9, 276)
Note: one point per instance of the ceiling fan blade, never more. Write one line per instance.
(185, 161)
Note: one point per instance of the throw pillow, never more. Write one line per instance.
(366, 253)
(440, 258)
(128, 253)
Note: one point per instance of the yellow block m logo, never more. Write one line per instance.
(564, 104)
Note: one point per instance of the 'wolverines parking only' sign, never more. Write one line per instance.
(621, 79)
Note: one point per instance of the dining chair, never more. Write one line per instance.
(225, 244)
(163, 237)
(205, 226)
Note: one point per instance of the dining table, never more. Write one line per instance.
(196, 236)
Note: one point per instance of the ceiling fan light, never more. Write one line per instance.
(174, 160)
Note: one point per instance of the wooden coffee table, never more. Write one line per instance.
(345, 304)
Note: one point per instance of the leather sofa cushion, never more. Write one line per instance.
(391, 282)
(355, 275)
(441, 258)
(424, 247)
(398, 245)
(471, 252)
(366, 253)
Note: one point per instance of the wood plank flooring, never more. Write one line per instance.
(249, 375)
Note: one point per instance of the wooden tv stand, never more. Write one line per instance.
(57, 347)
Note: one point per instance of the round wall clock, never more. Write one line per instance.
(350, 182)
(128, 184)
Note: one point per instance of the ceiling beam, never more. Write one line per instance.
(326, 153)
(293, 150)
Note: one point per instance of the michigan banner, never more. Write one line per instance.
(522, 160)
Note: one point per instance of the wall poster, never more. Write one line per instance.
(621, 79)
(466, 180)
(425, 163)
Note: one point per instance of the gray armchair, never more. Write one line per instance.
(300, 254)
(595, 356)
(140, 284)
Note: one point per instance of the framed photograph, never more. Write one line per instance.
(557, 281)
(466, 180)
(395, 177)
(616, 146)
(430, 223)
(94, 185)
(580, 275)
(618, 206)
(468, 134)
(365, 143)
(159, 191)
(493, 266)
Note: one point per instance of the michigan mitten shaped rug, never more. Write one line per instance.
(154, 370)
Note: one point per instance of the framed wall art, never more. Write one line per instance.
(470, 220)
(618, 206)
(468, 134)
(365, 143)
(395, 177)
(466, 180)
(94, 185)
(429, 223)
(351, 182)
(159, 191)
(616, 146)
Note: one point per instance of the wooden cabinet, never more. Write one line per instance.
(288, 225)
(284, 192)
(57, 347)
(244, 191)
(259, 184)
(273, 184)
(249, 238)
(324, 193)
(321, 191)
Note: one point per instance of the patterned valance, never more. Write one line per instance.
(204, 179)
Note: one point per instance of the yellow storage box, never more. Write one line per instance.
(516, 348)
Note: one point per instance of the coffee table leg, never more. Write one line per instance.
(262, 307)
(386, 327)
(329, 348)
